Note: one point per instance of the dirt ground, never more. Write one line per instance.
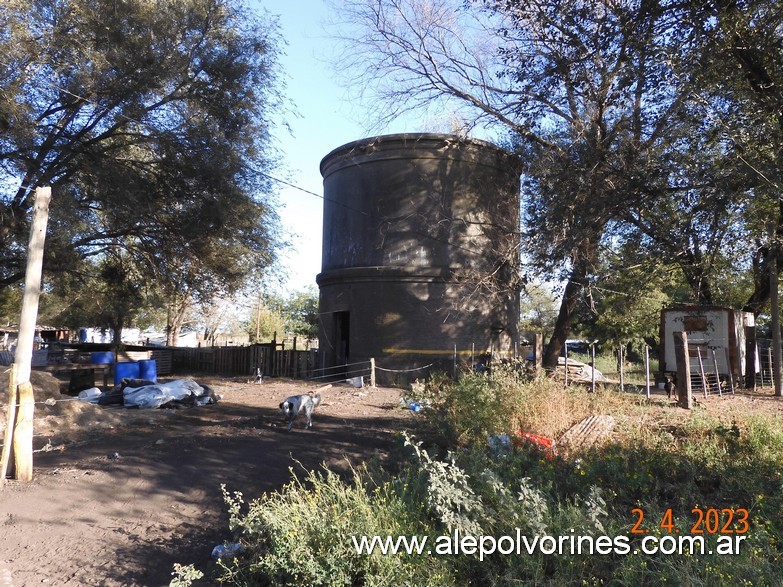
(124, 494)
(127, 493)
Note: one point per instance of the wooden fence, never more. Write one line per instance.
(274, 360)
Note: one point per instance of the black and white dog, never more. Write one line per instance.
(295, 404)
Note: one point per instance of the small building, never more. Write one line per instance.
(724, 331)
(43, 335)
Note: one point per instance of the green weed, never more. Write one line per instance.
(658, 463)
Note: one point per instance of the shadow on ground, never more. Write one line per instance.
(149, 495)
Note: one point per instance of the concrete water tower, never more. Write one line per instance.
(415, 226)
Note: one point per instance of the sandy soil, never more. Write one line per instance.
(90, 518)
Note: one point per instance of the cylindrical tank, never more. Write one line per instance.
(125, 370)
(420, 251)
(148, 370)
(102, 358)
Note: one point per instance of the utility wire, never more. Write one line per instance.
(273, 178)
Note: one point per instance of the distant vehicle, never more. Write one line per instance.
(579, 347)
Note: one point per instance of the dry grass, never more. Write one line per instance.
(545, 407)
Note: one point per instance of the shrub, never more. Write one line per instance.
(467, 410)
(302, 535)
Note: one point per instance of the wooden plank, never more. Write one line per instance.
(10, 421)
(23, 434)
(130, 356)
(590, 432)
(163, 361)
(684, 392)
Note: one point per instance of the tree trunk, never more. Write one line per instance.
(176, 319)
(761, 270)
(697, 274)
(700, 286)
(573, 291)
(116, 336)
(758, 299)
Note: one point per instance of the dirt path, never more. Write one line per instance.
(89, 519)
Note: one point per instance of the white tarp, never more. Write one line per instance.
(154, 396)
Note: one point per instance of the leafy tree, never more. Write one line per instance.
(295, 314)
(624, 306)
(267, 324)
(735, 72)
(10, 302)
(578, 86)
(538, 309)
(266, 319)
(688, 207)
(150, 120)
(108, 293)
(301, 312)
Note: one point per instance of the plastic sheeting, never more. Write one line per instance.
(154, 396)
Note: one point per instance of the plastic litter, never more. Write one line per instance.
(499, 443)
(226, 550)
(544, 444)
(154, 396)
(90, 395)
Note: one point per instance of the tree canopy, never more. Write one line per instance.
(634, 136)
(151, 122)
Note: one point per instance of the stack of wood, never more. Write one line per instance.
(590, 432)
(577, 372)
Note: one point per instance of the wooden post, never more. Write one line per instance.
(621, 360)
(771, 367)
(258, 319)
(538, 354)
(592, 367)
(565, 370)
(749, 382)
(10, 422)
(774, 299)
(684, 393)
(23, 433)
(761, 367)
(372, 372)
(731, 376)
(647, 371)
(717, 372)
(701, 372)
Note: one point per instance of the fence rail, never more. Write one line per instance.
(347, 371)
(273, 360)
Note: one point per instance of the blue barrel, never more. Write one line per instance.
(103, 358)
(129, 370)
(148, 370)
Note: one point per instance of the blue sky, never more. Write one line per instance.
(327, 119)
